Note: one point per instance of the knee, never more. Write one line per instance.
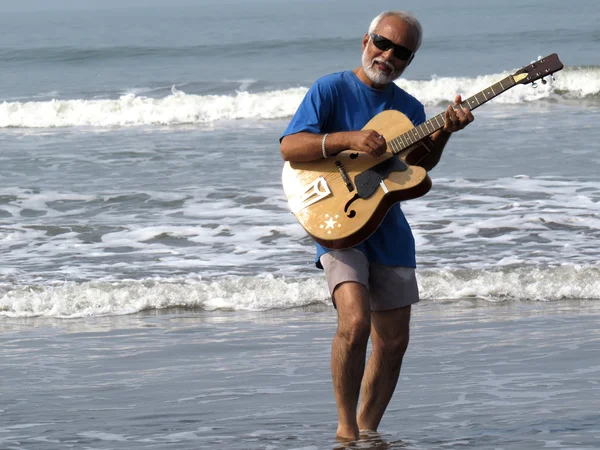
(394, 346)
(355, 331)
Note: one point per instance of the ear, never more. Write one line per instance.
(365, 41)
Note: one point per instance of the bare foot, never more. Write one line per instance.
(347, 433)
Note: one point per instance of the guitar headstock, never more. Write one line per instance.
(539, 69)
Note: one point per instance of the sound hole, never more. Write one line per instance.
(354, 156)
(350, 214)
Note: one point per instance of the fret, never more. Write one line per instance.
(403, 136)
(401, 144)
(439, 118)
(402, 139)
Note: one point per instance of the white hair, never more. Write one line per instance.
(405, 17)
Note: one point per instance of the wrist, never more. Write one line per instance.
(324, 146)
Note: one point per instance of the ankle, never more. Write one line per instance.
(347, 433)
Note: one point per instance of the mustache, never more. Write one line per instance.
(384, 62)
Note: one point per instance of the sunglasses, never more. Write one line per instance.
(385, 44)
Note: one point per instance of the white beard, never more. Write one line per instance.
(374, 74)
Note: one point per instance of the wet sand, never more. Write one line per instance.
(513, 376)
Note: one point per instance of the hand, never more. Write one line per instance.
(457, 117)
(367, 141)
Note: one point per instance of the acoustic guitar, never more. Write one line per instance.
(340, 201)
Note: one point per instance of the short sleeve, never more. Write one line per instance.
(313, 113)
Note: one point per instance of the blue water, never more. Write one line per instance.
(143, 143)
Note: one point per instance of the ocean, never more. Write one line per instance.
(156, 292)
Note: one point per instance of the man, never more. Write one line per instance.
(372, 285)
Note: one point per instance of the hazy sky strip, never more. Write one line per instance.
(57, 5)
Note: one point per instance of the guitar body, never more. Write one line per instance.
(327, 203)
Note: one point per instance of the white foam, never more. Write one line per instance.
(134, 109)
(260, 293)
(127, 297)
(520, 284)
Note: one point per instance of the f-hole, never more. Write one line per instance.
(350, 214)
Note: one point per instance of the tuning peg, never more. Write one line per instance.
(544, 81)
(534, 85)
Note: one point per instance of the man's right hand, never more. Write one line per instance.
(367, 141)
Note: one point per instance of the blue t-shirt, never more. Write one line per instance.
(341, 102)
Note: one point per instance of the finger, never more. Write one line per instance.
(457, 100)
(382, 144)
(469, 115)
(376, 146)
(450, 118)
(465, 116)
(371, 144)
(378, 139)
(452, 112)
(460, 115)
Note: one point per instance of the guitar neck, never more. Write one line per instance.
(436, 123)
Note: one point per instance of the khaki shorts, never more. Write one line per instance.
(389, 287)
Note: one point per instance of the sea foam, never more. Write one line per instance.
(180, 108)
(267, 292)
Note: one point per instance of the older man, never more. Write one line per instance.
(372, 285)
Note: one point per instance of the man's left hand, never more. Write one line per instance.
(457, 117)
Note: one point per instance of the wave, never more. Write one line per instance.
(178, 108)
(260, 293)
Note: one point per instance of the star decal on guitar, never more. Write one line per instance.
(330, 223)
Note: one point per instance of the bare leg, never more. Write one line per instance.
(348, 353)
(389, 338)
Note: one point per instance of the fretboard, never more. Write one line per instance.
(415, 134)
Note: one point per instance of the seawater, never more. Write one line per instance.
(141, 169)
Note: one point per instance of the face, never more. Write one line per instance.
(382, 66)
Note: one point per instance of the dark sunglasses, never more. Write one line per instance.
(384, 44)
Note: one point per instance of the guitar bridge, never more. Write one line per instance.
(344, 175)
(314, 192)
